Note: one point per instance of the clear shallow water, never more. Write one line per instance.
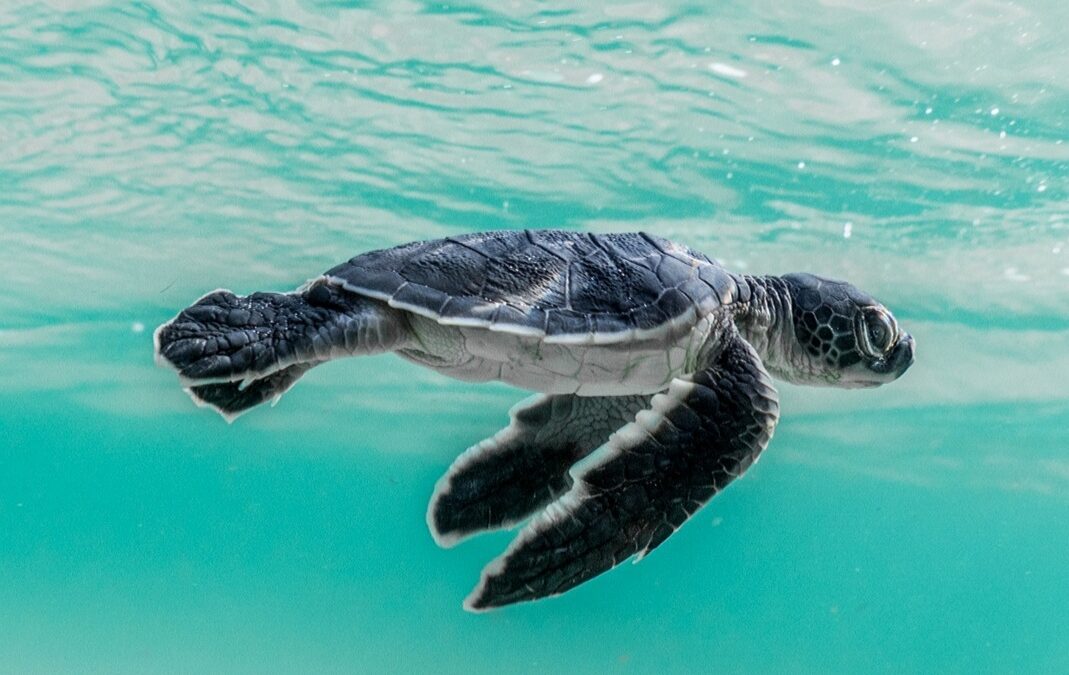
(150, 152)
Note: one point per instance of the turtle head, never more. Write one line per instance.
(843, 337)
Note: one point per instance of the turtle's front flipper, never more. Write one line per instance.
(523, 467)
(651, 476)
(234, 352)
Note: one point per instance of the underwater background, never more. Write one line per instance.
(153, 151)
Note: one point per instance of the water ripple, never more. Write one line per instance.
(251, 144)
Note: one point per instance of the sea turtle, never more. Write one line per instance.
(646, 355)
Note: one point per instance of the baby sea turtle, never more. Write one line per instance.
(647, 355)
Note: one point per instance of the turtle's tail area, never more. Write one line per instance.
(233, 353)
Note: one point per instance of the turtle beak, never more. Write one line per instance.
(902, 356)
(896, 362)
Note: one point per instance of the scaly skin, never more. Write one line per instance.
(765, 323)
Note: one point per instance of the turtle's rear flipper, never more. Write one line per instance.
(231, 399)
(224, 337)
(234, 352)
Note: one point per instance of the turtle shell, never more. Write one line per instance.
(562, 286)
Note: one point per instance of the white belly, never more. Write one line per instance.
(479, 355)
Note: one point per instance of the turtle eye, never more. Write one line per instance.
(879, 330)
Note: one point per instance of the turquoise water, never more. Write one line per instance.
(153, 151)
